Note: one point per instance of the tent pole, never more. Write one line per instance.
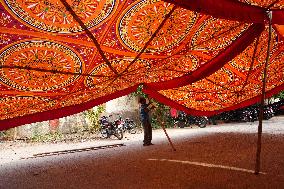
(261, 108)
(169, 139)
(164, 129)
(89, 34)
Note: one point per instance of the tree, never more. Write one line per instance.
(280, 95)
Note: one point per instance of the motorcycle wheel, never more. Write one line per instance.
(132, 131)
(133, 128)
(202, 122)
(119, 134)
(138, 130)
(181, 124)
(104, 133)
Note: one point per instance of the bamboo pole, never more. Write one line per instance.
(165, 131)
(261, 108)
(169, 139)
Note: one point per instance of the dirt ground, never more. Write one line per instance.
(218, 156)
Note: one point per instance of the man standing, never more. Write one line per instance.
(144, 116)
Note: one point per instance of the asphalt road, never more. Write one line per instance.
(221, 156)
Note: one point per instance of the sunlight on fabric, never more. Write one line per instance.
(208, 165)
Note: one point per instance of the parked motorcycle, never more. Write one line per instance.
(268, 113)
(187, 120)
(109, 128)
(130, 126)
(248, 114)
(239, 115)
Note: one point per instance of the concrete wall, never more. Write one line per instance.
(28, 130)
(125, 103)
(126, 106)
(72, 124)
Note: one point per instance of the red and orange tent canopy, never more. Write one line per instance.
(60, 57)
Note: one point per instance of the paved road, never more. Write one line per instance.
(219, 156)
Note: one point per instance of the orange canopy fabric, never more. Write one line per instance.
(60, 57)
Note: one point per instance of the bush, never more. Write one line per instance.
(47, 137)
(93, 116)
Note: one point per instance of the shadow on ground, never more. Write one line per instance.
(209, 160)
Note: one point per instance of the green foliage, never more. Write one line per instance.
(139, 92)
(51, 137)
(159, 114)
(93, 116)
(3, 134)
(280, 95)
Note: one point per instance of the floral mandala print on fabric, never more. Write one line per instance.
(204, 58)
(265, 3)
(109, 82)
(52, 16)
(36, 55)
(21, 105)
(142, 19)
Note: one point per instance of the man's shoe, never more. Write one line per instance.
(147, 144)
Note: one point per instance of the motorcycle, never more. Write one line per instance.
(109, 128)
(186, 120)
(268, 113)
(248, 114)
(130, 126)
